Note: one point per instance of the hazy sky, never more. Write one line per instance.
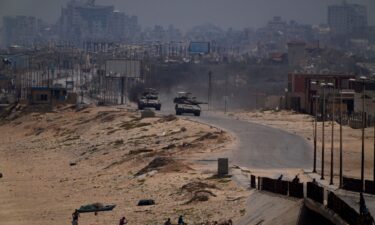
(187, 13)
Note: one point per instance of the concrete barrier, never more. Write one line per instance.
(315, 192)
(223, 166)
(296, 189)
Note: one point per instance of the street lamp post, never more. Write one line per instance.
(323, 118)
(332, 132)
(315, 125)
(363, 78)
(340, 139)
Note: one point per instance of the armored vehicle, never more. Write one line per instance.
(149, 99)
(185, 103)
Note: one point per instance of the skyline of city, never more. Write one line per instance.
(149, 14)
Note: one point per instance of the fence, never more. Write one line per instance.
(252, 181)
(314, 192)
(281, 187)
(352, 184)
(370, 187)
(342, 209)
(296, 189)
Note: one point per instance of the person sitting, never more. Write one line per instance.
(168, 222)
(123, 221)
(296, 179)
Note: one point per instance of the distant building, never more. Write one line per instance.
(300, 92)
(347, 18)
(80, 22)
(277, 24)
(296, 53)
(19, 30)
(51, 96)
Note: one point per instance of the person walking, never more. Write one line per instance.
(181, 220)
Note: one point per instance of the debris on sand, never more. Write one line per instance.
(140, 151)
(163, 164)
(167, 118)
(170, 146)
(135, 123)
(1, 175)
(197, 185)
(206, 136)
(201, 196)
(147, 113)
(38, 131)
(197, 191)
(144, 202)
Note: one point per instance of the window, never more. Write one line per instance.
(43, 97)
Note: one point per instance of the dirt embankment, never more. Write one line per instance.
(52, 163)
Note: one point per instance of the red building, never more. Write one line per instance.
(301, 91)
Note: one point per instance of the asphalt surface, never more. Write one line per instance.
(262, 146)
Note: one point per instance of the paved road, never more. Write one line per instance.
(262, 146)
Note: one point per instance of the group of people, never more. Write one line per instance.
(179, 222)
(220, 222)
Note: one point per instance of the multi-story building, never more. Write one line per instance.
(19, 30)
(296, 53)
(301, 92)
(347, 18)
(80, 22)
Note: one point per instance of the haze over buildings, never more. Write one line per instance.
(186, 14)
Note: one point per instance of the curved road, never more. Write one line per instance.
(261, 146)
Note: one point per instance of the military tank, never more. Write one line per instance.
(186, 103)
(149, 99)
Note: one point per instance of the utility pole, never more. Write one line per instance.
(209, 90)
(226, 93)
(122, 90)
